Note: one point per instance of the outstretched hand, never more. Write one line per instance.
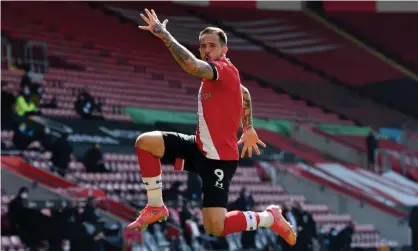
(250, 140)
(154, 25)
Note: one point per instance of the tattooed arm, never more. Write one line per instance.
(247, 110)
(186, 59)
(183, 56)
(249, 137)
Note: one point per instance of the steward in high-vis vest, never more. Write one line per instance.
(24, 103)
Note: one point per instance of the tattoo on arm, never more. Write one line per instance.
(247, 109)
(186, 59)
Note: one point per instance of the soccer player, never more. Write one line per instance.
(223, 103)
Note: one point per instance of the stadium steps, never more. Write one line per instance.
(18, 166)
(301, 178)
(352, 149)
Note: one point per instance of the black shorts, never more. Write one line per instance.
(216, 175)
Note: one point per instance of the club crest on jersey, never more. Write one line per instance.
(220, 65)
(207, 95)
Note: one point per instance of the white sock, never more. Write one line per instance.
(251, 219)
(155, 197)
(154, 191)
(266, 219)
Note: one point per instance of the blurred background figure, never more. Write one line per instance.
(245, 202)
(372, 147)
(173, 193)
(413, 224)
(86, 106)
(307, 236)
(194, 187)
(61, 154)
(24, 105)
(342, 240)
(93, 160)
(291, 216)
(8, 100)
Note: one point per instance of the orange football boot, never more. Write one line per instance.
(148, 216)
(281, 226)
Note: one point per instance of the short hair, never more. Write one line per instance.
(217, 31)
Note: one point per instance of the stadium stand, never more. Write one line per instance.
(122, 185)
(159, 73)
(396, 42)
(399, 157)
(123, 68)
(47, 213)
(248, 52)
(311, 43)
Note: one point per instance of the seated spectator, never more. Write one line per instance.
(344, 237)
(7, 104)
(93, 160)
(3, 146)
(93, 224)
(29, 224)
(26, 80)
(66, 245)
(245, 201)
(17, 207)
(306, 232)
(290, 215)
(24, 105)
(61, 154)
(36, 89)
(194, 187)
(91, 214)
(413, 224)
(30, 135)
(188, 223)
(331, 240)
(171, 194)
(43, 246)
(86, 106)
(23, 136)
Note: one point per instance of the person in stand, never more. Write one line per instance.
(61, 154)
(93, 160)
(307, 235)
(413, 224)
(371, 146)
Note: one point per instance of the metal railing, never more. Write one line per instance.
(30, 59)
(407, 160)
(31, 44)
(385, 164)
(6, 55)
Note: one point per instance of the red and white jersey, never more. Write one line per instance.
(219, 112)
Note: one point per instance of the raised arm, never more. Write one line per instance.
(247, 110)
(183, 56)
(186, 59)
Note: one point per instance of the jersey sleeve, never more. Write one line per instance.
(221, 70)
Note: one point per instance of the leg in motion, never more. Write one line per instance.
(150, 148)
(218, 222)
(216, 178)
